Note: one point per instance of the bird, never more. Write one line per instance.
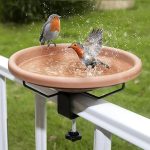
(50, 30)
(88, 51)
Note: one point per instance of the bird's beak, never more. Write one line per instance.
(69, 46)
(59, 16)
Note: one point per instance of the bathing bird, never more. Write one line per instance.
(89, 50)
(50, 30)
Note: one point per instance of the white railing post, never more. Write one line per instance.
(102, 139)
(3, 115)
(40, 123)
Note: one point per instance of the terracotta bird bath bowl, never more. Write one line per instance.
(60, 68)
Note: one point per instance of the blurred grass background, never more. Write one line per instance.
(125, 29)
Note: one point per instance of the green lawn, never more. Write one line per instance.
(125, 29)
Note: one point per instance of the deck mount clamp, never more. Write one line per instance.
(64, 107)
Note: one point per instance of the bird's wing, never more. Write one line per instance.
(93, 43)
(43, 30)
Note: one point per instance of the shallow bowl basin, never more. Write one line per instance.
(60, 68)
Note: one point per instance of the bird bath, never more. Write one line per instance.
(60, 68)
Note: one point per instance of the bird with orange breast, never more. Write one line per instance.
(89, 50)
(50, 30)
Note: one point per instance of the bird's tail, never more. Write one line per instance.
(41, 39)
(98, 62)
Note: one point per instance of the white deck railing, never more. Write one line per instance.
(107, 117)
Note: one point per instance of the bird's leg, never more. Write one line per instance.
(48, 43)
(54, 44)
(93, 64)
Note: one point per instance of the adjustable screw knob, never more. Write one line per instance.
(73, 135)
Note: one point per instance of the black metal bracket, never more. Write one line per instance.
(39, 92)
(107, 94)
(64, 102)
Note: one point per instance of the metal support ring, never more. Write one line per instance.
(107, 94)
(39, 92)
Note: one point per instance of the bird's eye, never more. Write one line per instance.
(75, 44)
